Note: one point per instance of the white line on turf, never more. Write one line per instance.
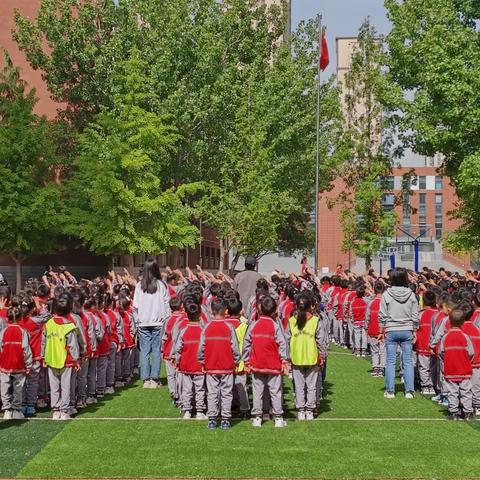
(171, 419)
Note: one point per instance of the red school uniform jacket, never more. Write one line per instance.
(15, 352)
(186, 349)
(358, 310)
(218, 349)
(168, 334)
(457, 352)
(127, 329)
(286, 310)
(35, 336)
(113, 326)
(103, 347)
(85, 327)
(264, 347)
(422, 345)
(341, 300)
(372, 312)
(473, 333)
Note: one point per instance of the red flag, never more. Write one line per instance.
(324, 56)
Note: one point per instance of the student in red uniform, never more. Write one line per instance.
(422, 343)
(457, 353)
(358, 311)
(473, 333)
(286, 308)
(377, 345)
(178, 313)
(240, 324)
(338, 305)
(61, 354)
(33, 324)
(5, 298)
(129, 336)
(114, 367)
(219, 355)
(185, 351)
(265, 353)
(94, 322)
(15, 364)
(103, 347)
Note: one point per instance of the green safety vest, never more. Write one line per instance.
(241, 330)
(56, 343)
(303, 346)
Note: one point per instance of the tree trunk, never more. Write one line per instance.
(18, 272)
(234, 263)
(130, 263)
(368, 262)
(222, 255)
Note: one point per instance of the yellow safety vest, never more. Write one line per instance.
(303, 346)
(241, 330)
(56, 343)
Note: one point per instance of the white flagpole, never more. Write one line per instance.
(317, 224)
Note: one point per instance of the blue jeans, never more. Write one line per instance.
(404, 339)
(150, 343)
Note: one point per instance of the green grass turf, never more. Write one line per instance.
(329, 449)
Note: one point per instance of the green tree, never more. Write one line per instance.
(117, 201)
(367, 94)
(29, 202)
(433, 57)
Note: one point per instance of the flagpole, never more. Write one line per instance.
(317, 223)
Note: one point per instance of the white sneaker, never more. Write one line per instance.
(65, 416)
(146, 384)
(119, 384)
(187, 415)
(388, 394)
(477, 412)
(41, 403)
(301, 415)
(56, 415)
(109, 391)
(91, 400)
(280, 422)
(155, 384)
(309, 415)
(7, 415)
(17, 415)
(201, 416)
(257, 422)
(409, 396)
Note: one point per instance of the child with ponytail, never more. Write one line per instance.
(305, 336)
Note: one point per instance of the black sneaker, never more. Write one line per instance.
(469, 417)
(454, 417)
(225, 425)
(212, 424)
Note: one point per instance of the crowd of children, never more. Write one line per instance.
(65, 343)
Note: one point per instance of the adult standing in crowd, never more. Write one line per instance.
(246, 282)
(151, 309)
(398, 319)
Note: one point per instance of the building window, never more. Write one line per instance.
(438, 182)
(388, 202)
(438, 216)
(422, 182)
(406, 209)
(422, 211)
(390, 183)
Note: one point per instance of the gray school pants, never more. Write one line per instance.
(305, 384)
(240, 392)
(476, 388)
(59, 379)
(73, 387)
(82, 379)
(127, 362)
(359, 338)
(30, 390)
(92, 377)
(43, 383)
(193, 384)
(219, 395)
(261, 382)
(11, 390)
(378, 351)
(102, 365)
(338, 332)
(459, 394)
(425, 365)
(331, 322)
(112, 364)
(171, 378)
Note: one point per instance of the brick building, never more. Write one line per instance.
(78, 260)
(425, 211)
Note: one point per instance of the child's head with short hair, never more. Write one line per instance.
(360, 291)
(429, 299)
(457, 317)
(175, 304)
(378, 288)
(268, 306)
(5, 294)
(234, 306)
(449, 305)
(14, 314)
(64, 304)
(218, 308)
(192, 310)
(124, 304)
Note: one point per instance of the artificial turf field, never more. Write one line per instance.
(137, 433)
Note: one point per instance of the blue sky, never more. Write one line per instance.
(341, 17)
